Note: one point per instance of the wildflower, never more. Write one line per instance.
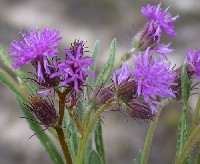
(159, 21)
(121, 74)
(193, 61)
(153, 78)
(74, 69)
(35, 48)
(44, 111)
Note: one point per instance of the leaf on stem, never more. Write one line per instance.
(183, 123)
(105, 73)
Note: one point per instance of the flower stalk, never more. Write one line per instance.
(125, 57)
(84, 140)
(59, 130)
(193, 139)
(150, 134)
(196, 115)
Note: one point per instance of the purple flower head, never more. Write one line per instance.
(121, 74)
(74, 69)
(35, 48)
(159, 21)
(154, 78)
(193, 60)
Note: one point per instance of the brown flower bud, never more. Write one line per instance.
(177, 88)
(44, 111)
(103, 95)
(140, 110)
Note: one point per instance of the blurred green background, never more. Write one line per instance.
(90, 20)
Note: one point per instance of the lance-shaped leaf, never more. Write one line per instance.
(183, 123)
(105, 73)
(92, 68)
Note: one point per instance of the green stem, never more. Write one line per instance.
(196, 115)
(193, 139)
(125, 57)
(86, 114)
(83, 142)
(147, 145)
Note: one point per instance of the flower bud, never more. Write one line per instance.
(103, 95)
(127, 90)
(177, 88)
(44, 111)
(139, 109)
(143, 38)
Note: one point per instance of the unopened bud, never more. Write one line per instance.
(44, 111)
(143, 38)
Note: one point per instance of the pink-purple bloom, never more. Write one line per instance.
(35, 48)
(159, 21)
(163, 49)
(121, 74)
(193, 59)
(154, 78)
(74, 69)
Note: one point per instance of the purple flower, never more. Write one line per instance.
(121, 74)
(154, 78)
(159, 21)
(74, 69)
(35, 48)
(193, 59)
(163, 49)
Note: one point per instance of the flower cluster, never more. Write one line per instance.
(40, 49)
(140, 87)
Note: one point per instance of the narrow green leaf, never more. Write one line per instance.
(183, 123)
(99, 142)
(92, 68)
(140, 157)
(94, 158)
(22, 99)
(102, 78)
(71, 134)
(107, 69)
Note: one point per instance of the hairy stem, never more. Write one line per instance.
(196, 115)
(125, 57)
(83, 142)
(59, 130)
(78, 125)
(193, 139)
(63, 144)
(148, 141)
